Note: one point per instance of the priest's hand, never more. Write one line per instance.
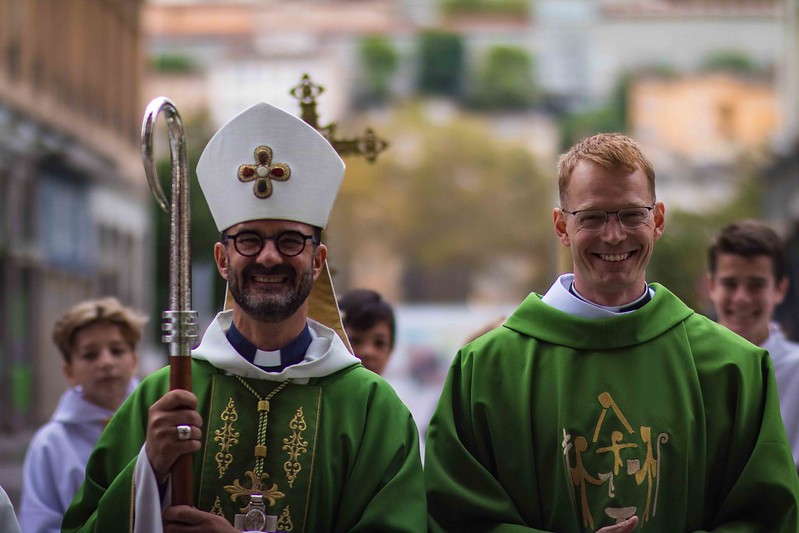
(185, 519)
(625, 527)
(165, 441)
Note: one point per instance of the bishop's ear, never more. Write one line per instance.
(220, 256)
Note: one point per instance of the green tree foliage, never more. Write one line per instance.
(173, 64)
(378, 61)
(678, 261)
(441, 63)
(446, 198)
(620, 98)
(576, 126)
(505, 80)
(513, 8)
(731, 61)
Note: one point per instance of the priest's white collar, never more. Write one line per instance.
(559, 297)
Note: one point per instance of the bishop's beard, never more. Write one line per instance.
(271, 306)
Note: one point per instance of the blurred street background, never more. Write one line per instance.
(449, 218)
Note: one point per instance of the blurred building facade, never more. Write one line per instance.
(74, 205)
(581, 51)
(586, 45)
(244, 52)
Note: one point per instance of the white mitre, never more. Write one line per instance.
(268, 164)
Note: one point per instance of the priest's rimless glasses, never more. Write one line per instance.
(594, 219)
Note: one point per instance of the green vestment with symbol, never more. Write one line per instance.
(342, 450)
(554, 422)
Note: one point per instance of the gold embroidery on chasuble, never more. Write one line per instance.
(284, 522)
(217, 508)
(226, 437)
(257, 484)
(295, 446)
(230, 470)
(615, 467)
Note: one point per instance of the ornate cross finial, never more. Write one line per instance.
(369, 145)
(263, 172)
(307, 92)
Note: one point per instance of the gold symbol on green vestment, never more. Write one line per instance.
(651, 469)
(586, 467)
(607, 402)
(295, 446)
(616, 447)
(580, 476)
(226, 437)
(256, 486)
(284, 522)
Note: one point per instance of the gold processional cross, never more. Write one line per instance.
(367, 145)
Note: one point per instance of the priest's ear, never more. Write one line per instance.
(559, 223)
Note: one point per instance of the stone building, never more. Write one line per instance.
(74, 204)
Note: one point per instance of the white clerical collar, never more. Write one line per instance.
(326, 354)
(559, 297)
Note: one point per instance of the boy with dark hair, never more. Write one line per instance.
(370, 325)
(746, 281)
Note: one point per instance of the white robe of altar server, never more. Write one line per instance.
(55, 463)
(785, 358)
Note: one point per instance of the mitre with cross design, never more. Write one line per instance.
(268, 164)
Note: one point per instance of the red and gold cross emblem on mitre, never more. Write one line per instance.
(263, 172)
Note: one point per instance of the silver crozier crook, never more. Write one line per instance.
(180, 322)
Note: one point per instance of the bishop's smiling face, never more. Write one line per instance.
(270, 287)
(609, 262)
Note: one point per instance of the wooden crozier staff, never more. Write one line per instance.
(180, 322)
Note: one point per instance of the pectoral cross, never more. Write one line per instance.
(368, 145)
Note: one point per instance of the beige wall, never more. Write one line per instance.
(704, 118)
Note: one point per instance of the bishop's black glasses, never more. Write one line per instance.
(629, 217)
(250, 243)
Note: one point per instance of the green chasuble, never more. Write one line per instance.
(559, 423)
(342, 454)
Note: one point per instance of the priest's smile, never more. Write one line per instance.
(614, 258)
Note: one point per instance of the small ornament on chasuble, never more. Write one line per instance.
(256, 485)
